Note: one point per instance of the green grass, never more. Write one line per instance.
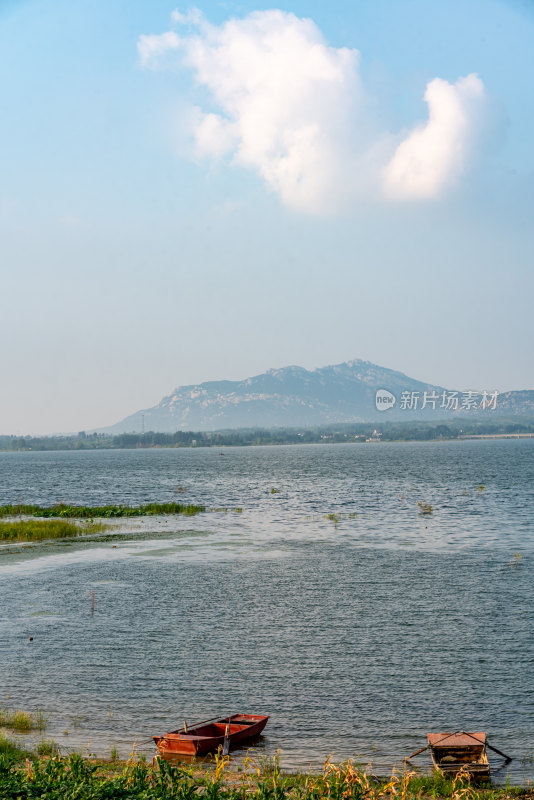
(29, 530)
(63, 510)
(65, 778)
(435, 784)
(10, 751)
(46, 747)
(21, 721)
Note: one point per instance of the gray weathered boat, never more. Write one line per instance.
(464, 750)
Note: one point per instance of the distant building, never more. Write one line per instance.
(375, 437)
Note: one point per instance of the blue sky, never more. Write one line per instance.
(306, 218)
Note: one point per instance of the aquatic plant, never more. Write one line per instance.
(425, 508)
(22, 721)
(29, 530)
(40, 719)
(107, 512)
(47, 747)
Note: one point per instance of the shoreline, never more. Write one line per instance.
(223, 778)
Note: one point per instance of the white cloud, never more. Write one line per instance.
(192, 17)
(151, 46)
(435, 154)
(292, 108)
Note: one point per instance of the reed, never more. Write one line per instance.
(63, 510)
(21, 721)
(30, 530)
(62, 778)
(56, 777)
(425, 508)
(47, 747)
(10, 751)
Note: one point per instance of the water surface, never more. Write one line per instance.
(357, 633)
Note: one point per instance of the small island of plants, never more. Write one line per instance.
(63, 510)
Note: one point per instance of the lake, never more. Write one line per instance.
(358, 623)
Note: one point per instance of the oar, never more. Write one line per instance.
(226, 743)
(422, 750)
(499, 752)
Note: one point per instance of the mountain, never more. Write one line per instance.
(293, 397)
(287, 397)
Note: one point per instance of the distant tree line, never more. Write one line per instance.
(348, 432)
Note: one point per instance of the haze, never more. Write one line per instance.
(195, 194)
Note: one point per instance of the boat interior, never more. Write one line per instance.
(217, 728)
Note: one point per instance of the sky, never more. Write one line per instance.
(192, 193)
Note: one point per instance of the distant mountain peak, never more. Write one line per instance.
(293, 396)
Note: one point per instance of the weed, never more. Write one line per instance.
(46, 747)
(106, 512)
(12, 749)
(425, 508)
(40, 719)
(19, 721)
(333, 518)
(59, 777)
(38, 530)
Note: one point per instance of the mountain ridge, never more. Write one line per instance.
(294, 396)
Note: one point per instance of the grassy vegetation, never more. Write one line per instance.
(22, 721)
(38, 530)
(62, 510)
(10, 752)
(63, 778)
(425, 508)
(46, 747)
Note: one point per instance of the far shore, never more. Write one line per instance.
(340, 433)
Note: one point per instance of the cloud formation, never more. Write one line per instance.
(293, 108)
(151, 46)
(435, 154)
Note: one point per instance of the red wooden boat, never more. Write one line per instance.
(207, 737)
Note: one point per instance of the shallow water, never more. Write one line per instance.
(357, 637)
